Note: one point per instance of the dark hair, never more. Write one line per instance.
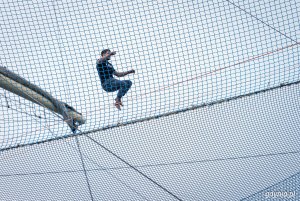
(104, 51)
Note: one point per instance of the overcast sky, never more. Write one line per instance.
(185, 53)
(176, 49)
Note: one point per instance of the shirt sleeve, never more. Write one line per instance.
(99, 61)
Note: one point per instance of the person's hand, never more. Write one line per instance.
(113, 53)
(132, 71)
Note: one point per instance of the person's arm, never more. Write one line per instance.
(122, 74)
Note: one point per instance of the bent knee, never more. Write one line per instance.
(128, 83)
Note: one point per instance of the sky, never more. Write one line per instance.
(225, 152)
(185, 53)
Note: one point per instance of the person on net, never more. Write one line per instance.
(106, 73)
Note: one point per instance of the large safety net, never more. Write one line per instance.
(212, 113)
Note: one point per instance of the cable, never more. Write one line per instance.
(60, 42)
(134, 168)
(6, 99)
(21, 112)
(164, 164)
(262, 21)
(214, 71)
(84, 169)
(32, 115)
(107, 171)
(204, 74)
(27, 105)
(163, 188)
(59, 121)
(154, 117)
(219, 69)
(115, 177)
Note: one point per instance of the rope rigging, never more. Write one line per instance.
(165, 87)
(215, 89)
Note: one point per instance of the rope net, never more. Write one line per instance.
(213, 103)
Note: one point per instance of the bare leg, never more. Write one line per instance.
(118, 103)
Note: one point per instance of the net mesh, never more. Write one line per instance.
(288, 189)
(211, 115)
